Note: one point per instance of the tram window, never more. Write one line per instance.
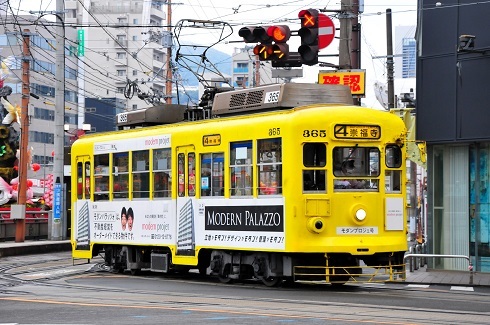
(393, 180)
(140, 173)
(162, 176)
(356, 168)
(393, 156)
(191, 165)
(87, 180)
(355, 161)
(181, 172)
(212, 173)
(315, 159)
(241, 168)
(269, 164)
(120, 176)
(80, 182)
(101, 176)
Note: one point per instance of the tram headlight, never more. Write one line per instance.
(316, 225)
(361, 214)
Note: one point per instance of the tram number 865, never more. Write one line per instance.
(314, 133)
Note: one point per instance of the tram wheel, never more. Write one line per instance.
(203, 270)
(223, 277)
(271, 281)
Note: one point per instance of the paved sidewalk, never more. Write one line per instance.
(457, 278)
(27, 247)
(419, 276)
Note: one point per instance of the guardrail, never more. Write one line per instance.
(36, 225)
(414, 262)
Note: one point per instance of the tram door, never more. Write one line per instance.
(186, 203)
(80, 212)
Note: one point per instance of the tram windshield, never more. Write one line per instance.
(356, 167)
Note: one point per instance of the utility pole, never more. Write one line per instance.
(350, 45)
(389, 60)
(257, 71)
(20, 221)
(59, 131)
(168, 64)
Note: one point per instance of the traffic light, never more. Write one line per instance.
(255, 34)
(309, 36)
(272, 41)
(280, 35)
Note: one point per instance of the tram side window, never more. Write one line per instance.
(87, 180)
(314, 161)
(120, 176)
(212, 174)
(141, 173)
(393, 178)
(101, 176)
(241, 168)
(191, 165)
(80, 181)
(181, 174)
(162, 176)
(269, 164)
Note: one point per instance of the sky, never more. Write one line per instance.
(239, 13)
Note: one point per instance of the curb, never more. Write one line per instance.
(35, 249)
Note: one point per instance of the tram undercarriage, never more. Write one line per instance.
(270, 268)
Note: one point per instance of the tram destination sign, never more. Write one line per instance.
(211, 140)
(348, 131)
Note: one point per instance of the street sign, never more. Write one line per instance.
(355, 79)
(81, 42)
(326, 31)
(57, 203)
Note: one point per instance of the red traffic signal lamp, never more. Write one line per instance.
(309, 36)
(279, 33)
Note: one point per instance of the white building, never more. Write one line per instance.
(248, 71)
(126, 42)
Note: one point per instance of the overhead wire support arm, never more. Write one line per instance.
(197, 63)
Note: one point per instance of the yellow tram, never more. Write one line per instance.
(280, 182)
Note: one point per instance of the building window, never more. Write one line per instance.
(135, 38)
(135, 106)
(121, 73)
(135, 72)
(121, 55)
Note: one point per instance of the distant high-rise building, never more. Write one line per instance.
(405, 45)
(409, 58)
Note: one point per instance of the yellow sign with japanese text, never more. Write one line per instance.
(355, 79)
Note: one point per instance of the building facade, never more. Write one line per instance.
(453, 61)
(125, 43)
(41, 106)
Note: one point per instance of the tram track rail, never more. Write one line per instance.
(298, 307)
